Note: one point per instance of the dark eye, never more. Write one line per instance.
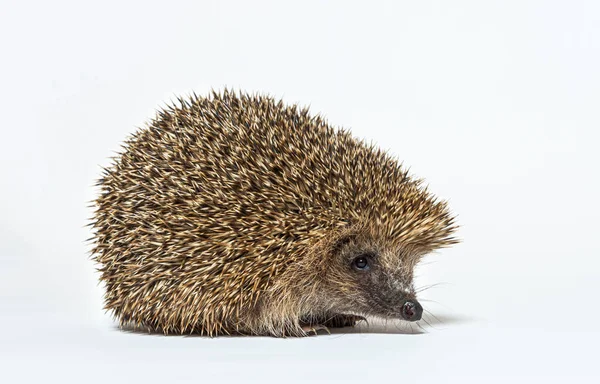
(361, 263)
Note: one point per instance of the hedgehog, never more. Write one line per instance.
(238, 214)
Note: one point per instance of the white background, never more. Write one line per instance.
(495, 103)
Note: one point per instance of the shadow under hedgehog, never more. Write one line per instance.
(237, 214)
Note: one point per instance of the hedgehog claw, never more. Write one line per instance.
(308, 329)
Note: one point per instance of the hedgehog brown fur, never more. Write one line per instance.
(238, 214)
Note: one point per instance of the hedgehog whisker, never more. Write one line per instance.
(424, 288)
(432, 315)
(420, 326)
(427, 322)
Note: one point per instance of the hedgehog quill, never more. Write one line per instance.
(238, 214)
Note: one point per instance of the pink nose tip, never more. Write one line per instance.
(412, 310)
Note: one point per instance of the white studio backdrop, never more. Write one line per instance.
(494, 103)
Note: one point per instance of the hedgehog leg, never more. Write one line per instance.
(340, 321)
(315, 324)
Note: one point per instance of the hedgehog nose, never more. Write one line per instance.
(412, 310)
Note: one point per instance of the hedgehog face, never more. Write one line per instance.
(375, 279)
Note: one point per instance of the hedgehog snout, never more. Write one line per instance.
(411, 310)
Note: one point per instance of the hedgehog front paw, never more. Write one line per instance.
(341, 321)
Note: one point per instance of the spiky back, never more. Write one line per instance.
(218, 196)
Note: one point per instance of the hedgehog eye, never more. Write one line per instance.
(361, 263)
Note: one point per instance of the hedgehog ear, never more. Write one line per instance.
(342, 241)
